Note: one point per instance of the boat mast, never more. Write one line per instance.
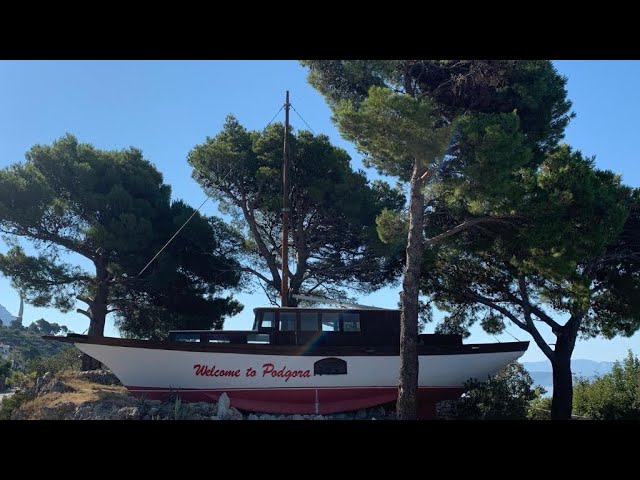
(284, 290)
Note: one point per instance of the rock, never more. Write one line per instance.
(47, 377)
(64, 411)
(18, 414)
(55, 387)
(266, 416)
(105, 411)
(234, 414)
(103, 377)
(203, 408)
(447, 409)
(378, 412)
(197, 416)
(253, 417)
(297, 417)
(223, 406)
(84, 411)
(124, 413)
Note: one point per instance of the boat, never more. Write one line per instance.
(298, 361)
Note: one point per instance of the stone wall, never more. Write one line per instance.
(446, 409)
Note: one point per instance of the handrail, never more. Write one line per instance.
(310, 298)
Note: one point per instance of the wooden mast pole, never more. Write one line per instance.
(284, 290)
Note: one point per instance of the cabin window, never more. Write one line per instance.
(330, 366)
(267, 319)
(218, 338)
(330, 322)
(287, 321)
(187, 337)
(262, 338)
(351, 322)
(309, 321)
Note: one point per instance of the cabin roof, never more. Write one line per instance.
(316, 309)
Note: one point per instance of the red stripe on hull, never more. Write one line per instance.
(305, 400)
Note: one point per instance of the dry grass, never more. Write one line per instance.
(84, 392)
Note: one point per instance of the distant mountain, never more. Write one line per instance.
(541, 371)
(5, 316)
(543, 379)
(580, 367)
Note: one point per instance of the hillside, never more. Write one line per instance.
(26, 345)
(5, 316)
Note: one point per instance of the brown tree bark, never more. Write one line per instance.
(406, 408)
(560, 357)
(562, 399)
(97, 313)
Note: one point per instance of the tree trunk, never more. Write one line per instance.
(406, 408)
(562, 400)
(98, 311)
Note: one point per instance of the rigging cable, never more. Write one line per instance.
(512, 335)
(208, 197)
(305, 122)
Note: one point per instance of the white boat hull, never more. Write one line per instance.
(290, 383)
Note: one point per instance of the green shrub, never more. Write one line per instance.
(179, 410)
(18, 379)
(67, 359)
(614, 396)
(5, 371)
(9, 404)
(5, 368)
(540, 408)
(505, 396)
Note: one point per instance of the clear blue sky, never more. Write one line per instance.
(167, 107)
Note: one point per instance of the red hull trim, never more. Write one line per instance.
(305, 400)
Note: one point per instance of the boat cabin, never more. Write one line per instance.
(328, 326)
(316, 326)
